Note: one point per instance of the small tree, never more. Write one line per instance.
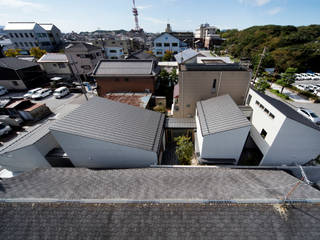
(184, 150)
(262, 85)
(174, 76)
(287, 78)
(12, 52)
(160, 108)
(167, 56)
(37, 52)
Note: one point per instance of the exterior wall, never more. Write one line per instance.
(13, 84)
(197, 85)
(53, 68)
(295, 143)
(118, 54)
(162, 39)
(124, 84)
(199, 133)
(91, 153)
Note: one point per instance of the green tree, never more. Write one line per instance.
(160, 108)
(262, 85)
(174, 76)
(287, 78)
(168, 56)
(184, 150)
(37, 52)
(12, 52)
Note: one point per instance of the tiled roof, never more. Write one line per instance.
(143, 55)
(114, 122)
(81, 47)
(15, 63)
(215, 67)
(180, 123)
(53, 57)
(124, 68)
(286, 110)
(219, 114)
(186, 55)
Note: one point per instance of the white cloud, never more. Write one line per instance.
(274, 11)
(154, 20)
(144, 7)
(21, 4)
(255, 2)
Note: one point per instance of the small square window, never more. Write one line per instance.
(126, 79)
(15, 83)
(266, 111)
(271, 115)
(188, 105)
(263, 133)
(257, 102)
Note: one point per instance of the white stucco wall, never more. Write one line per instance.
(225, 145)
(165, 38)
(295, 143)
(8, 84)
(53, 68)
(92, 153)
(199, 133)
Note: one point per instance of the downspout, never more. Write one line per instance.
(219, 84)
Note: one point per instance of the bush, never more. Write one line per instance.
(184, 150)
(159, 108)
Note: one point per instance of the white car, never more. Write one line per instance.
(310, 115)
(302, 87)
(3, 91)
(4, 129)
(31, 92)
(61, 92)
(41, 93)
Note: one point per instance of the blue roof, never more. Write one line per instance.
(185, 55)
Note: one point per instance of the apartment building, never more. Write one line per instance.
(56, 65)
(200, 82)
(83, 58)
(167, 42)
(26, 35)
(114, 52)
(206, 36)
(54, 34)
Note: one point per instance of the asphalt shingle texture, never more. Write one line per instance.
(114, 122)
(220, 114)
(151, 184)
(15, 63)
(53, 57)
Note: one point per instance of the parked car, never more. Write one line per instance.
(11, 121)
(61, 92)
(4, 129)
(302, 87)
(41, 93)
(3, 91)
(31, 92)
(310, 115)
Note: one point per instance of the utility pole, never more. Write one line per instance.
(77, 76)
(257, 70)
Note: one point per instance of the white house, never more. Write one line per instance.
(26, 35)
(54, 34)
(222, 130)
(187, 56)
(114, 52)
(107, 134)
(283, 136)
(56, 65)
(167, 42)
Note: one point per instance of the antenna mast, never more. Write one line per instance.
(135, 14)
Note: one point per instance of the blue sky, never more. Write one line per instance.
(89, 15)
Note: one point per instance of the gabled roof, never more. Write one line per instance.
(214, 67)
(183, 123)
(114, 122)
(286, 110)
(53, 57)
(20, 26)
(46, 26)
(220, 114)
(143, 55)
(186, 55)
(125, 68)
(81, 47)
(15, 63)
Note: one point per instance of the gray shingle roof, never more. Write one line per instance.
(114, 122)
(220, 114)
(143, 55)
(53, 57)
(185, 55)
(15, 63)
(216, 67)
(124, 68)
(288, 111)
(156, 184)
(158, 221)
(81, 47)
(180, 123)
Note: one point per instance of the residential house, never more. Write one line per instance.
(26, 35)
(128, 45)
(167, 42)
(187, 38)
(16, 74)
(56, 65)
(125, 76)
(200, 82)
(54, 34)
(107, 134)
(222, 131)
(161, 203)
(83, 58)
(283, 136)
(187, 56)
(207, 36)
(142, 55)
(114, 52)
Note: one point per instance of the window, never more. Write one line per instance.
(266, 111)
(37, 44)
(113, 51)
(81, 55)
(86, 67)
(61, 65)
(21, 35)
(55, 65)
(167, 44)
(249, 99)
(261, 106)
(271, 115)
(116, 80)
(15, 83)
(257, 102)
(126, 79)
(98, 54)
(31, 35)
(26, 44)
(158, 44)
(16, 44)
(175, 52)
(263, 133)
(174, 44)
(188, 105)
(214, 85)
(26, 35)
(16, 34)
(113, 42)
(11, 35)
(159, 52)
(31, 44)
(21, 44)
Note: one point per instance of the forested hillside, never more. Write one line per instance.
(287, 46)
